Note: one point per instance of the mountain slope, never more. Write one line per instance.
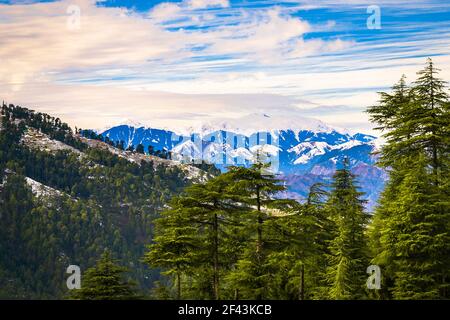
(64, 199)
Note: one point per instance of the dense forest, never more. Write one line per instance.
(102, 202)
(146, 231)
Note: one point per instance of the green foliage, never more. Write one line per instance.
(105, 281)
(195, 235)
(99, 201)
(410, 229)
(349, 253)
(230, 238)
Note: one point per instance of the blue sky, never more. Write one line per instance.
(173, 63)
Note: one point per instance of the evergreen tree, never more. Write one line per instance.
(255, 187)
(417, 235)
(432, 117)
(349, 255)
(409, 232)
(105, 281)
(175, 246)
(90, 203)
(140, 148)
(194, 236)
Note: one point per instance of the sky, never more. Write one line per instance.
(175, 63)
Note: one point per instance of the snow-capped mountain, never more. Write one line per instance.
(302, 150)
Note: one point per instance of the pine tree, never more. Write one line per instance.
(349, 255)
(175, 245)
(105, 281)
(417, 236)
(320, 232)
(197, 239)
(411, 222)
(255, 187)
(415, 120)
(432, 117)
(140, 148)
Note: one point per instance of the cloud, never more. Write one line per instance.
(187, 9)
(185, 59)
(37, 40)
(165, 11)
(98, 106)
(200, 4)
(266, 37)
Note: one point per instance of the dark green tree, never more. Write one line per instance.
(140, 148)
(175, 245)
(105, 281)
(255, 187)
(193, 237)
(348, 257)
(409, 231)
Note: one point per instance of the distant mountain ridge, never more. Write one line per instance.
(307, 150)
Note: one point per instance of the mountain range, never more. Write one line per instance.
(303, 151)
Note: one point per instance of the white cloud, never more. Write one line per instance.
(187, 9)
(201, 4)
(266, 37)
(248, 61)
(37, 41)
(165, 11)
(98, 106)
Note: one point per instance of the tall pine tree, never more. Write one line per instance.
(410, 227)
(348, 259)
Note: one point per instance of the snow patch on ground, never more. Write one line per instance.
(35, 139)
(41, 190)
(191, 172)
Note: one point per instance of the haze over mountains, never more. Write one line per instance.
(304, 150)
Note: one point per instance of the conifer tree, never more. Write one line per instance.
(203, 245)
(105, 281)
(175, 244)
(432, 117)
(417, 237)
(409, 231)
(320, 232)
(255, 187)
(349, 255)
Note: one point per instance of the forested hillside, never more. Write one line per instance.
(64, 199)
(184, 233)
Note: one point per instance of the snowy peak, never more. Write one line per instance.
(261, 122)
(126, 122)
(245, 125)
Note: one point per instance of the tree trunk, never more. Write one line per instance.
(259, 244)
(236, 294)
(260, 222)
(178, 286)
(301, 293)
(216, 258)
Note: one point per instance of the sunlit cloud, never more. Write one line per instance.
(178, 60)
